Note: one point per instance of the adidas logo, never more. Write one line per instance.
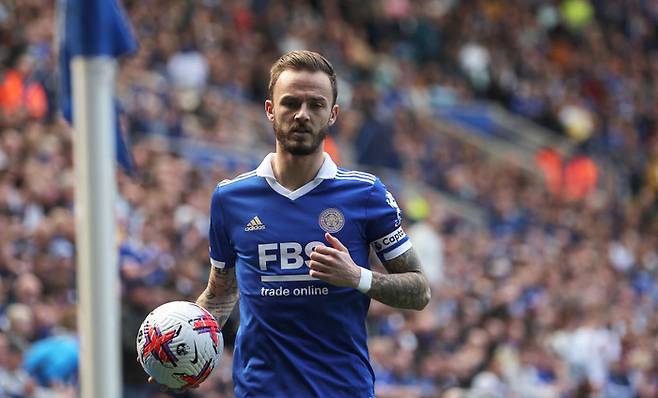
(254, 225)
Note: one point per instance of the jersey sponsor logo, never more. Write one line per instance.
(331, 220)
(254, 225)
(391, 202)
(289, 256)
(389, 240)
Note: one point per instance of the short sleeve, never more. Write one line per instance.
(221, 253)
(383, 224)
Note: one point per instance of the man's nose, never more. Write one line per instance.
(302, 114)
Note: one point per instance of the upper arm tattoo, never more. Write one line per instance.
(405, 285)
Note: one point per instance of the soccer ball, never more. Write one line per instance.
(179, 344)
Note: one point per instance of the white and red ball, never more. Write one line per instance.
(179, 344)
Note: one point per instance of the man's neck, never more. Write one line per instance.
(293, 171)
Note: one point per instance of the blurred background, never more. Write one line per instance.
(519, 136)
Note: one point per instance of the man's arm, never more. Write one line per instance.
(221, 294)
(405, 285)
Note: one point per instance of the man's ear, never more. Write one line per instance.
(334, 114)
(269, 110)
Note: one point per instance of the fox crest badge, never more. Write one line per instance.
(331, 220)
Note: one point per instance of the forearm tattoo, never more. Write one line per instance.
(405, 285)
(221, 294)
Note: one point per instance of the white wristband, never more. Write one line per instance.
(365, 280)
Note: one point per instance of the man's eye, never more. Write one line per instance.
(290, 103)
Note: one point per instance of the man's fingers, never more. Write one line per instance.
(323, 258)
(335, 242)
(319, 275)
(318, 266)
(324, 250)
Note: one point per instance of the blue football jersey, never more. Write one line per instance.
(299, 336)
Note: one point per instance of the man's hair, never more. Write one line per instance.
(303, 60)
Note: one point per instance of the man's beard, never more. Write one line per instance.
(295, 147)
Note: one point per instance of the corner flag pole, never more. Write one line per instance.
(95, 198)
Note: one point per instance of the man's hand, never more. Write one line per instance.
(334, 264)
(405, 285)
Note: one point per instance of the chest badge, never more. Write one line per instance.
(331, 220)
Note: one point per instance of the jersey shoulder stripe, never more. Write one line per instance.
(355, 178)
(361, 174)
(237, 178)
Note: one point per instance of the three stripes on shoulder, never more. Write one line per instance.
(355, 175)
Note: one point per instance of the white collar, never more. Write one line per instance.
(327, 171)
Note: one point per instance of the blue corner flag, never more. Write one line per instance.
(92, 28)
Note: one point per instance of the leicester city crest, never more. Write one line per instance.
(331, 220)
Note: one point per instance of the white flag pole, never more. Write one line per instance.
(95, 193)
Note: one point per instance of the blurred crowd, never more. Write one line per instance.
(552, 297)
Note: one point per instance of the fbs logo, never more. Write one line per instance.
(254, 225)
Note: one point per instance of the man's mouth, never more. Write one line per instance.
(300, 131)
